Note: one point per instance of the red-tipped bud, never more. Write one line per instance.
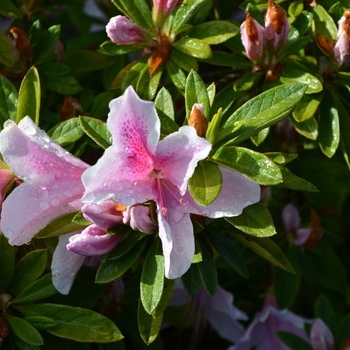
(197, 119)
(20, 42)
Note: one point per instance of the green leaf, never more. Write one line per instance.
(293, 341)
(176, 74)
(291, 75)
(196, 92)
(66, 132)
(75, 323)
(220, 58)
(225, 247)
(111, 49)
(307, 107)
(247, 81)
(54, 69)
(213, 127)
(329, 128)
(307, 128)
(184, 61)
(111, 269)
(6, 52)
(8, 100)
(191, 280)
(87, 60)
(60, 226)
(281, 158)
(149, 326)
(325, 311)
(324, 24)
(7, 263)
(29, 96)
(40, 322)
(166, 297)
(255, 220)
(207, 268)
(262, 111)
(254, 165)
(260, 137)
(8, 9)
(205, 183)
(164, 104)
(295, 9)
(38, 290)
(214, 32)
(64, 85)
(28, 270)
(147, 86)
(24, 330)
(152, 278)
(266, 248)
(193, 47)
(21, 344)
(97, 130)
(211, 89)
(80, 219)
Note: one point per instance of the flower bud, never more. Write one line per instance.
(253, 38)
(20, 42)
(320, 336)
(71, 108)
(124, 32)
(342, 46)
(197, 119)
(161, 11)
(276, 25)
(326, 44)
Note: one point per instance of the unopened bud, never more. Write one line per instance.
(326, 44)
(197, 119)
(253, 38)
(161, 53)
(71, 108)
(161, 11)
(276, 25)
(342, 46)
(20, 42)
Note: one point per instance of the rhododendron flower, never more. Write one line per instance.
(320, 336)
(52, 181)
(138, 217)
(342, 46)
(138, 168)
(161, 10)
(262, 332)
(219, 310)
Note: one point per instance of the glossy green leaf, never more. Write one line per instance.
(65, 85)
(184, 61)
(328, 126)
(214, 32)
(293, 341)
(18, 343)
(266, 248)
(111, 49)
(66, 132)
(75, 323)
(214, 127)
(220, 58)
(111, 269)
(8, 100)
(247, 81)
(87, 60)
(176, 74)
(295, 9)
(40, 322)
(307, 107)
(191, 280)
(7, 263)
(260, 137)
(307, 128)
(8, 9)
(291, 75)
(164, 104)
(254, 165)
(193, 47)
(291, 47)
(255, 220)
(280, 157)
(24, 330)
(147, 86)
(60, 226)
(38, 290)
(149, 326)
(29, 96)
(205, 183)
(207, 268)
(226, 248)
(28, 269)
(152, 278)
(324, 24)
(80, 219)
(6, 52)
(166, 297)
(97, 130)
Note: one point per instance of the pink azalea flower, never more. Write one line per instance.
(219, 310)
(161, 10)
(321, 337)
(262, 332)
(342, 46)
(52, 185)
(138, 168)
(137, 216)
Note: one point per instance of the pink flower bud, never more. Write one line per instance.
(253, 38)
(124, 32)
(161, 10)
(276, 26)
(342, 46)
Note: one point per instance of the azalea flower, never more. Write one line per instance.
(162, 10)
(138, 168)
(219, 310)
(262, 332)
(320, 336)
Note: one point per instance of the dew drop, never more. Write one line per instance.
(45, 193)
(179, 250)
(55, 202)
(240, 195)
(30, 131)
(44, 205)
(104, 184)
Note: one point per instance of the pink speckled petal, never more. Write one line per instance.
(178, 155)
(92, 241)
(291, 218)
(65, 265)
(321, 337)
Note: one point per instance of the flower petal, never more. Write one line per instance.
(291, 218)
(93, 241)
(178, 155)
(321, 337)
(303, 235)
(65, 265)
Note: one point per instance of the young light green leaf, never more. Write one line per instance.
(295, 9)
(29, 96)
(8, 100)
(28, 270)
(254, 165)
(176, 74)
(291, 75)
(7, 263)
(211, 89)
(213, 127)
(191, 280)
(307, 128)
(324, 24)
(75, 323)
(152, 278)
(8, 9)
(205, 183)
(149, 326)
(166, 297)
(6, 52)
(164, 103)
(97, 130)
(66, 132)
(266, 248)
(307, 107)
(255, 220)
(193, 48)
(260, 137)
